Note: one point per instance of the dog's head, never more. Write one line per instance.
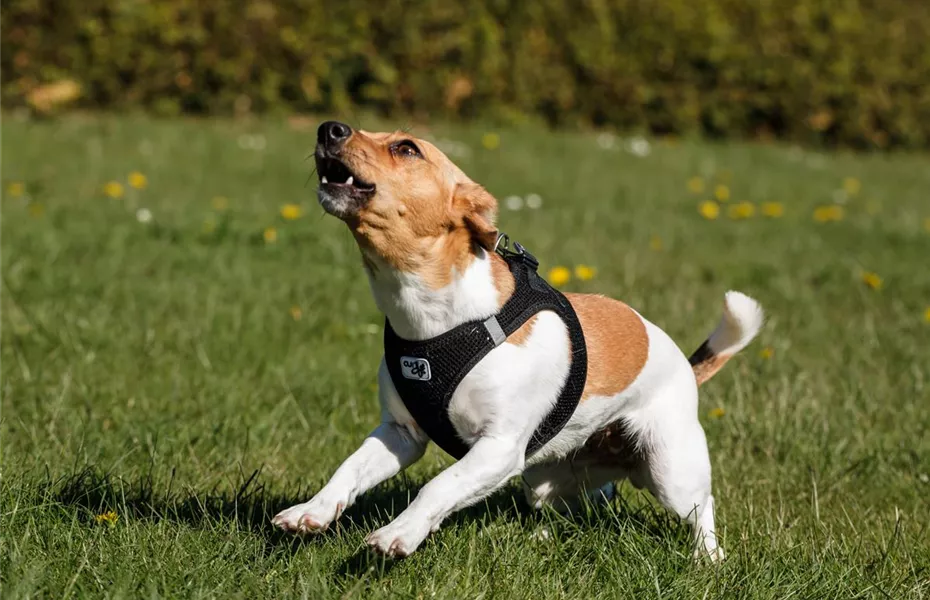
(406, 203)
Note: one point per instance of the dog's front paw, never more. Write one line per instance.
(309, 517)
(398, 539)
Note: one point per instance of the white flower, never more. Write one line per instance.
(639, 146)
(252, 142)
(513, 202)
(143, 215)
(533, 201)
(453, 148)
(606, 141)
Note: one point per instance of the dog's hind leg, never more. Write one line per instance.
(677, 466)
(563, 485)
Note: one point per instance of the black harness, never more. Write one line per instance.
(426, 373)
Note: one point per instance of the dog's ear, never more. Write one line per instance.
(478, 209)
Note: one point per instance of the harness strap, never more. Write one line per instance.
(426, 373)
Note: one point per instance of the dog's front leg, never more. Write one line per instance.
(489, 464)
(385, 452)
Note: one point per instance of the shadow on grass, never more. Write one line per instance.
(251, 507)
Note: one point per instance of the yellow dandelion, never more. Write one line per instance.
(742, 210)
(872, 280)
(559, 276)
(138, 181)
(16, 189)
(825, 214)
(36, 209)
(108, 518)
(773, 210)
(851, 186)
(709, 209)
(219, 203)
(296, 313)
(716, 413)
(722, 193)
(927, 224)
(696, 185)
(585, 273)
(291, 211)
(113, 189)
(491, 140)
(655, 243)
(767, 352)
(270, 234)
(927, 315)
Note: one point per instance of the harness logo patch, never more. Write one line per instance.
(415, 368)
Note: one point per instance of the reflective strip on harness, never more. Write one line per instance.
(494, 328)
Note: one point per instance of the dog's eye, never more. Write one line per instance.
(405, 148)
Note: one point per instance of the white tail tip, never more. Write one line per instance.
(741, 321)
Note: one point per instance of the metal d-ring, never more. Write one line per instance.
(502, 237)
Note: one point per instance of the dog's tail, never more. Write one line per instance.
(742, 318)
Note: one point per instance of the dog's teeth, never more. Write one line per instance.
(350, 180)
(324, 180)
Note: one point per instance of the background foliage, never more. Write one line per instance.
(833, 71)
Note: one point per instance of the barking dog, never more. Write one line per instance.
(427, 238)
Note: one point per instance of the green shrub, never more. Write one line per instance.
(853, 72)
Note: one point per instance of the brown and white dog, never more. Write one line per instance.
(426, 234)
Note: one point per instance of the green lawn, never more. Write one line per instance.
(196, 379)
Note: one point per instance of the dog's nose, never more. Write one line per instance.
(332, 134)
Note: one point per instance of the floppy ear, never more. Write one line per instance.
(478, 209)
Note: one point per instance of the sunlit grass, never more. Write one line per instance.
(171, 380)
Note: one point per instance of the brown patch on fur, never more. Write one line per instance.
(613, 445)
(503, 278)
(518, 337)
(615, 336)
(426, 216)
(708, 367)
(617, 343)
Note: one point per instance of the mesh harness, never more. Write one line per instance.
(426, 373)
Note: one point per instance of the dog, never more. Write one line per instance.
(427, 238)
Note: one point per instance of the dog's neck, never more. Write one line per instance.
(418, 312)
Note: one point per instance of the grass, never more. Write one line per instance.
(158, 370)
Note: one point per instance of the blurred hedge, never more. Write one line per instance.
(839, 71)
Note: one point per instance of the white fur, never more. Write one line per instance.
(741, 321)
(502, 401)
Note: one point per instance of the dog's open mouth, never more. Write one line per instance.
(336, 177)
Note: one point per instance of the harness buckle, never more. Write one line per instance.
(503, 248)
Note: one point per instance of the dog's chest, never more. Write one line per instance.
(514, 387)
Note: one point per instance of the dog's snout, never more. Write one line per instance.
(332, 134)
